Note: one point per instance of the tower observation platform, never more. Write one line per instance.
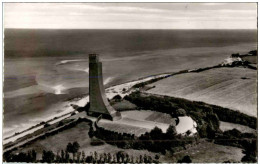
(99, 104)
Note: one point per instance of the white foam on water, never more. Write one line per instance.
(58, 89)
(86, 70)
(65, 107)
(108, 80)
(69, 61)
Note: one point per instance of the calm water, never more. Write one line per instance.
(43, 68)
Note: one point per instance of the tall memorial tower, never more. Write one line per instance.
(99, 104)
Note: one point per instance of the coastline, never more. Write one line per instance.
(26, 107)
(122, 89)
(81, 102)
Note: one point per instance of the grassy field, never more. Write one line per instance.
(251, 59)
(234, 88)
(124, 105)
(160, 117)
(78, 133)
(224, 126)
(207, 152)
(138, 122)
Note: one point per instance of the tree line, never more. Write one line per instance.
(171, 105)
(154, 141)
(72, 155)
(207, 118)
(246, 141)
(207, 121)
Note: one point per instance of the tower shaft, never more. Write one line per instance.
(99, 104)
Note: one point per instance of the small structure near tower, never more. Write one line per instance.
(99, 104)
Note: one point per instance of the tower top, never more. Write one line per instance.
(93, 58)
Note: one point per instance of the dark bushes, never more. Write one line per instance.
(203, 115)
(185, 159)
(246, 141)
(197, 110)
(155, 141)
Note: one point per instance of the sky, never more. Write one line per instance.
(130, 15)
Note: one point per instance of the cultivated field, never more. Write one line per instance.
(224, 126)
(234, 88)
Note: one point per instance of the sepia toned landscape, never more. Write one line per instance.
(155, 93)
(234, 88)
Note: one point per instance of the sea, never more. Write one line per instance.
(44, 68)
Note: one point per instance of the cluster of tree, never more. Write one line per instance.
(241, 63)
(246, 141)
(73, 147)
(62, 156)
(48, 156)
(244, 62)
(153, 103)
(185, 159)
(206, 119)
(250, 151)
(253, 52)
(197, 110)
(119, 157)
(238, 139)
(117, 98)
(228, 115)
(155, 141)
(30, 156)
(236, 55)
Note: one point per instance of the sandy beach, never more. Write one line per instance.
(81, 102)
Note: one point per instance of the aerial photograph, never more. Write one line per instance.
(130, 82)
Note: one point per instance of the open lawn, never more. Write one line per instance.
(78, 133)
(124, 105)
(207, 152)
(234, 88)
(251, 59)
(138, 122)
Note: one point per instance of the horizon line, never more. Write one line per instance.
(132, 28)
